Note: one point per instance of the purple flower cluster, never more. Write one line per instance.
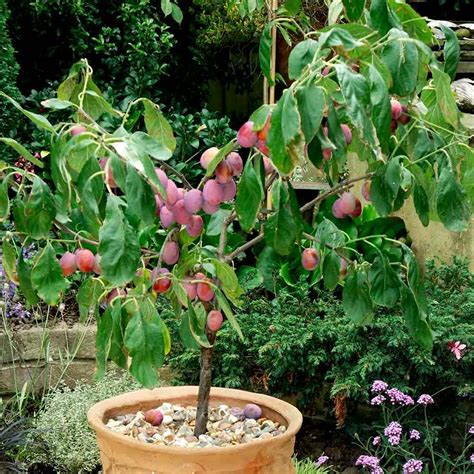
(393, 431)
(370, 462)
(412, 465)
(8, 293)
(379, 386)
(376, 441)
(322, 460)
(425, 399)
(397, 397)
(415, 434)
(377, 400)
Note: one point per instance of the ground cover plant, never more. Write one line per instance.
(134, 227)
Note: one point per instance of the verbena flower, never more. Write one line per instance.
(393, 431)
(415, 434)
(369, 462)
(425, 399)
(378, 400)
(397, 397)
(376, 441)
(322, 460)
(379, 386)
(8, 294)
(472, 457)
(412, 465)
(471, 430)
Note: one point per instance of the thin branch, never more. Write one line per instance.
(180, 175)
(244, 247)
(223, 235)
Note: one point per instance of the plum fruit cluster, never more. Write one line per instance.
(399, 115)
(82, 259)
(346, 205)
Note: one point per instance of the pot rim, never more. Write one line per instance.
(97, 412)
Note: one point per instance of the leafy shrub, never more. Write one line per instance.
(8, 78)
(300, 341)
(61, 433)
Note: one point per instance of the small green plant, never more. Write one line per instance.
(61, 436)
(308, 466)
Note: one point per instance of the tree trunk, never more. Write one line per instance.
(205, 382)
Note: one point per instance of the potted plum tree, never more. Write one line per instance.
(137, 229)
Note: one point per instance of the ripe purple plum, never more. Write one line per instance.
(159, 204)
(396, 109)
(160, 279)
(171, 194)
(166, 217)
(162, 177)
(208, 156)
(348, 202)
(235, 162)
(393, 126)
(171, 253)
(223, 172)
(109, 177)
(337, 211)
(154, 417)
(366, 190)
(252, 411)
(358, 209)
(181, 193)
(262, 146)
(193, 201)
(204, 290)
(229, 190)
(268, 166)
(115, 293)
(310, 259)
(68, 263)
(191, 288)
(179, 212)
(214, 320)
(326, 70)
(342, 267)
(347, 133)
(327, 153)
(77, 130)
(85, 260)
(212, 192)
(246, 137)
(209, 208)
(404, 117)
(194, 226)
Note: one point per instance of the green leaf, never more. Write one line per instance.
(356, 299)
(4, 201)
(88, 297)
(451, 52)
(38, 120)
(293, 7)
(22, 151)
(95, 103)
(118, 245)
(157, 126)
(382, 17)
(39, 210)
(384, 282)
(140, 198)
(102, 341)
(197, 330)
(412, 22)
(385, 185)
(329, 234)
(185, 333)
(415, 320)
(225, 306)
(216, 222)
(331, 269)
(249, 197)
(264, 52)
(338, 37)
(166, 7)
(415, 279)
(281, 228)
(24, 277)
(422, 205)
(381, 108)
(393, 175)
(151, 146)
(356, 93)
(47, 277)
(445, 97)
(57, 104)
(401, 57)
(268, 265)
(353, 9)
(228, 279)
(301, 55)
(259, 116)
(284, 138)
(451, 202)
(311, 102)
(220, 156)
(8, 259)
(144, 341)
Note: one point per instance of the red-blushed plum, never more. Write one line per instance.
(161, 281)
(109, 177)
(365, 191)
(193, 201)
(85, 260)
(396, 109)
(68, 263)
(357, 209)
(393, 126)
(235, 162)
(263, 133)
(194, 226)
(208, 156)
(336, 210)
(191, 288)
(342, 267)
(310, 259)
(171, 194)
(212, 192)
(404, 117)
(262, 146)
(229, 190)
(327, 153)
(162, 177)
(166, 217)
(159, 204)
(77, 130)
(223, 172)
(348, 202)
(347, 133)
(209, 208)
(115, 293)
(204, 290)
(246, 137)
(154, 417)
(171, 253)
(179, 212)
(268, 166)
(214, 320)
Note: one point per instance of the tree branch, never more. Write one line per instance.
(180, 175)
(223, 235)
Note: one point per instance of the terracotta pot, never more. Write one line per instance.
(121, 454)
